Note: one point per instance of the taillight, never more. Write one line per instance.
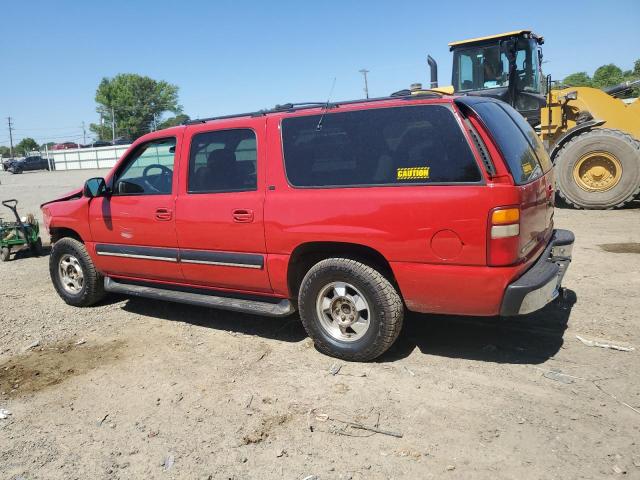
(503, 240)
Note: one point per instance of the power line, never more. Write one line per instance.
(46, 128)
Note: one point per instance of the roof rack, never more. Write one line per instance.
(294, 107)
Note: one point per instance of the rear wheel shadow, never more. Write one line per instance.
(527, 339)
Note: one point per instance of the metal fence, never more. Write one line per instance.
(84, 158)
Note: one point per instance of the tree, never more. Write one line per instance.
(579, 79)
(26, 145)
(137, 102)
(607, 76)
(173, 121)
(5, 152)
(47, 145)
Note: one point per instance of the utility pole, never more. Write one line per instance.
(113, 125)
(364, 72)
(84, 134)
(10, 138)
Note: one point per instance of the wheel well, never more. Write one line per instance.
(58, 233)
(307, 255)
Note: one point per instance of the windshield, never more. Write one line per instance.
(485, 67)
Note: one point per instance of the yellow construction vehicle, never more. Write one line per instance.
(592, 137)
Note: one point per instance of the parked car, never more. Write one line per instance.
(347, 212)
(65, 146)
(99, 143)
(6, 162)
(34, 162)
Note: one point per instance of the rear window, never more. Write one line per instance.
(512, 141)
(388, 146)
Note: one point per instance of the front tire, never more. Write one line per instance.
(5, 254)
(599, 169)
(73, 274)
(349, 309)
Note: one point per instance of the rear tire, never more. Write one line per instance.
(5, 254)
(624, 155)
(356, 293)
(73, 274)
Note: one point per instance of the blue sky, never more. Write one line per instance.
(238, 56)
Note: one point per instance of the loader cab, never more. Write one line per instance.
(505, 66)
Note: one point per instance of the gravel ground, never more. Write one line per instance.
(143, 389)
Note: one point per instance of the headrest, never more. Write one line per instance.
(221, 159)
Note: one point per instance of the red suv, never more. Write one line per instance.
(347, 212)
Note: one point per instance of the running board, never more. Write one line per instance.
(280, 309)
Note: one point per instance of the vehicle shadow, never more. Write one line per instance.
(287, 329)
(633, 204)
(25, 252)
(529, 339)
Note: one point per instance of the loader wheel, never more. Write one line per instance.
(349, 309)
(73, 274)
(5, 254)
(599, 169)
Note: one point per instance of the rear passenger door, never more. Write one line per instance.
(219, 209)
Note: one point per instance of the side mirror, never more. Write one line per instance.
(95, 187)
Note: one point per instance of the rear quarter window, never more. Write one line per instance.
(515, 142)
(532, 137)
(387, 146)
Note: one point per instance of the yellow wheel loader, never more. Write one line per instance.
(592, 137)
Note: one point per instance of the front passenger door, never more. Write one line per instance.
(133, 228)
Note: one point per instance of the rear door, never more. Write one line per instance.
(530, 168)
(219, 208)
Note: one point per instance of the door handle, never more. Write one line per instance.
(242, 215)
(164, 214)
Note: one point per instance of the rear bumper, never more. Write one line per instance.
(540, 284)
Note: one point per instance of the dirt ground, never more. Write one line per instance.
(143, 389)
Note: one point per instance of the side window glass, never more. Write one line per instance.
(466, 72)
(381, 146)
(223, 161)
(149, 171)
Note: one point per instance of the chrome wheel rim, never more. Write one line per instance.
(343, 311)
(71, 274)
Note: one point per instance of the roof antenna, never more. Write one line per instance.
(326, 107)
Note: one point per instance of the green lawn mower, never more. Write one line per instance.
(18, 234)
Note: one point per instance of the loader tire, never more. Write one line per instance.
(599, 169)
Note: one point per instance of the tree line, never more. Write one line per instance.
(605, 76)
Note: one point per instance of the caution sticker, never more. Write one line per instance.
(411, 173)
(526, 168)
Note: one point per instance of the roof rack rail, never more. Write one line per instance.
(293, 107)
